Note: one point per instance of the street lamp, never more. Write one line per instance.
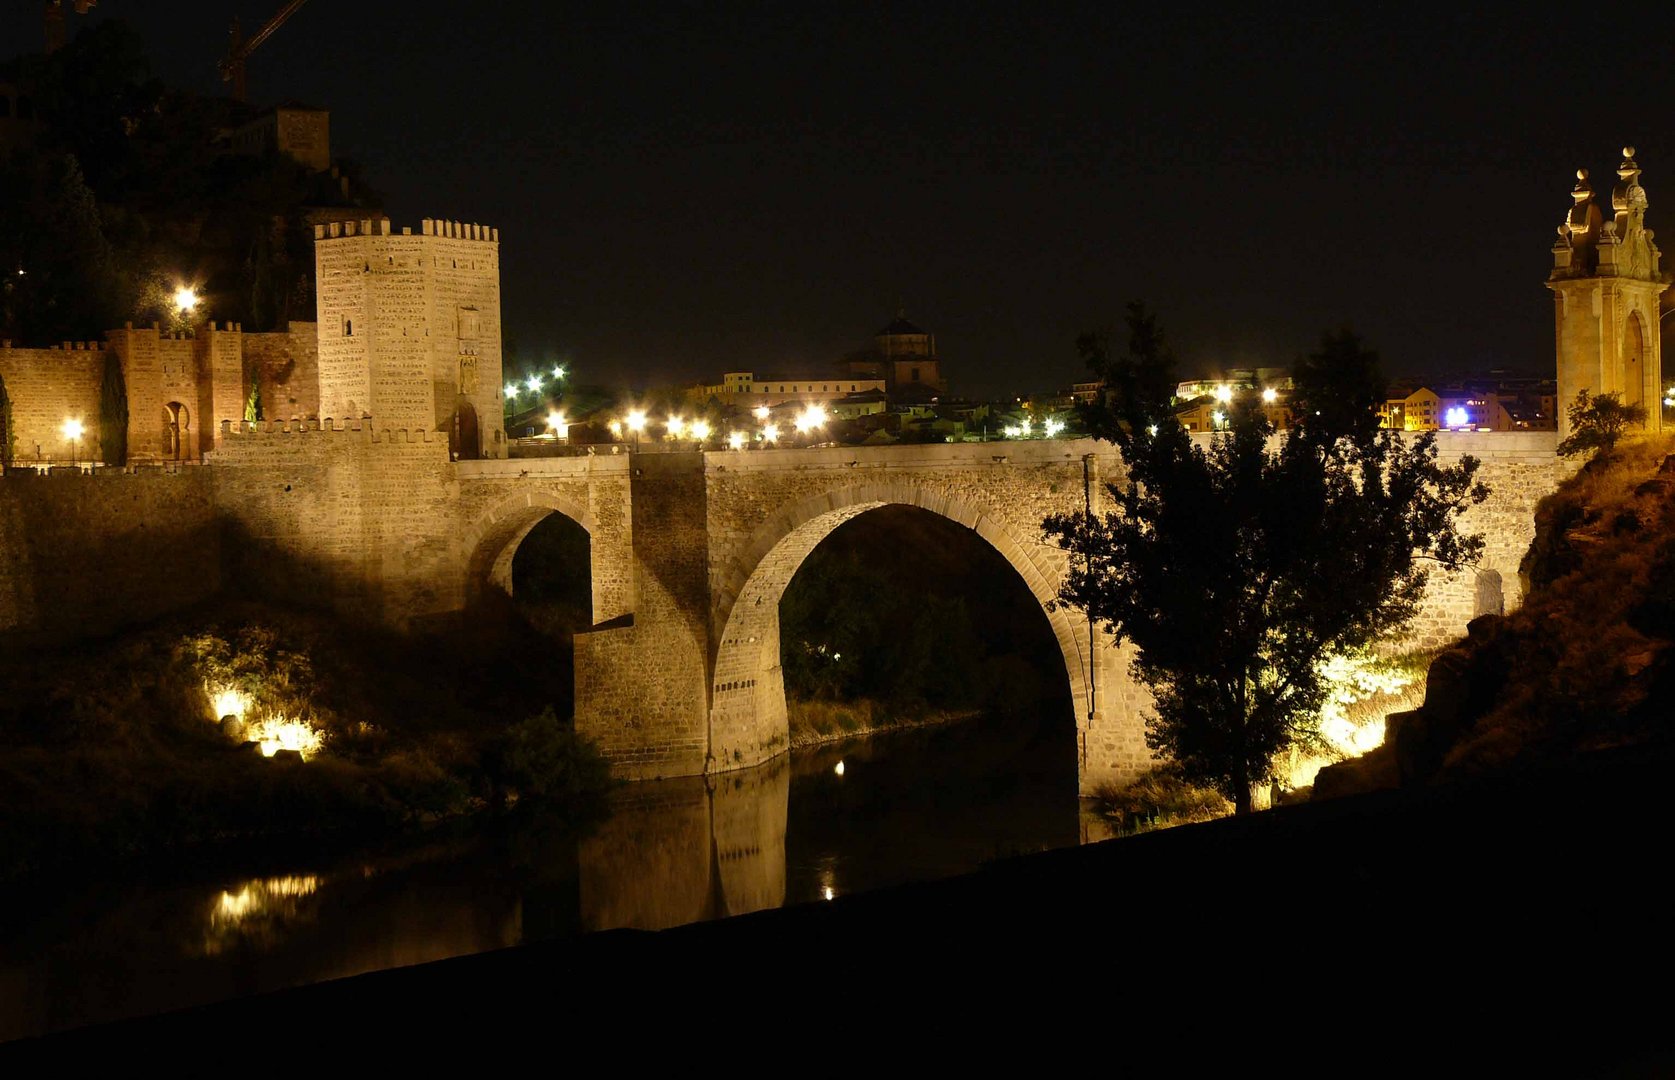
(185, 299)
(770, 433)
(735, 440)
(636, 423)
(559, 425)
(762, 412)
(73, 431)
(699, 430)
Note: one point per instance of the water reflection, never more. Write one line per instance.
(260, 912)
(715, 846)
(816, 826)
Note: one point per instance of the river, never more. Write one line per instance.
(817, 824)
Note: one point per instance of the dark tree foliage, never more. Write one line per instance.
(113, 412)
(129, 192)
(1236, 567)
(1598, 422)
(900, 606)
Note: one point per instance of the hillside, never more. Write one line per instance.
(1584, 665)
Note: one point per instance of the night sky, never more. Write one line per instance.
(683, 191)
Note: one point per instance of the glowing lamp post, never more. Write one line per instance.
(675, 426)
(73, 430)
(770, 433)
(185, 300)
(699, 430)
(735, 440)
(762, 412)
(1270, 395)
(559, 425)
(636, 422)
(811, 419)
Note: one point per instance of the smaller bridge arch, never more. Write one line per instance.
(748, 720)
(491, 541)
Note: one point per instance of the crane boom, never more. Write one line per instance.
(240, 47)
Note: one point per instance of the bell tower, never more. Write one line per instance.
(1606, 281)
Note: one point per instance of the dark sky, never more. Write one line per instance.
(684, 190)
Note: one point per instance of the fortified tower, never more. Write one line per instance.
(409, 329)
(1606, 282)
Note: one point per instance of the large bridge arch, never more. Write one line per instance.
(748, 721)
(491, 541)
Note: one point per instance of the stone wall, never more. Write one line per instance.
(1519, 468)
(410, 325)
(343, 516)
(641, 688)
(83, 554)
(288, 367)
(48, 387)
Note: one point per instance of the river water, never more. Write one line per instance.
(809, 827)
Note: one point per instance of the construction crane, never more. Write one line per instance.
(54, 17)
(240, 47)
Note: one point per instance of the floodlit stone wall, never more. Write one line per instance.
(641, 687)
(84, 553)
(1519, 468)
(410, 326)
(287, 365)
(347, 516)
(46, 388)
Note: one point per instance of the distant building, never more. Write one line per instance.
(1495, 402)
(904, 357)
(745, 388)
(301, 132)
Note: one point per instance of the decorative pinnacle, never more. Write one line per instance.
(1628, 151)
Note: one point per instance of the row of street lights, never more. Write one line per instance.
(676, 428)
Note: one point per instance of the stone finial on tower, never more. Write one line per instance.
(1574, 253)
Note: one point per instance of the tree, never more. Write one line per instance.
(6, 435)
(1237, 567)
(113, 412)
(1597, 422)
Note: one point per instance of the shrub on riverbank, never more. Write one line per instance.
(119, 748)
(1158, 799)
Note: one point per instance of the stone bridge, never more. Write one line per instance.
(691, 551)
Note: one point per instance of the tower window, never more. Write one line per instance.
(348, 328)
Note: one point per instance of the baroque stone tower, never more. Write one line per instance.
(1606, 282)
(409, 329)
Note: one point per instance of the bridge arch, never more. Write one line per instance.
(491, 541)
(748, 719)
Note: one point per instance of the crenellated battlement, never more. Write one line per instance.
(454, 230)
(362, 429)
(41, 474)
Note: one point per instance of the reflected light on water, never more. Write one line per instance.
(255, 909)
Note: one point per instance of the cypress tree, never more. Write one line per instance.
(6, 435)
(113, 412)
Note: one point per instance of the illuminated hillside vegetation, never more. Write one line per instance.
(1584, 665)
(125, 747)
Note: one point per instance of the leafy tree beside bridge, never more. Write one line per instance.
(1236, 568)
